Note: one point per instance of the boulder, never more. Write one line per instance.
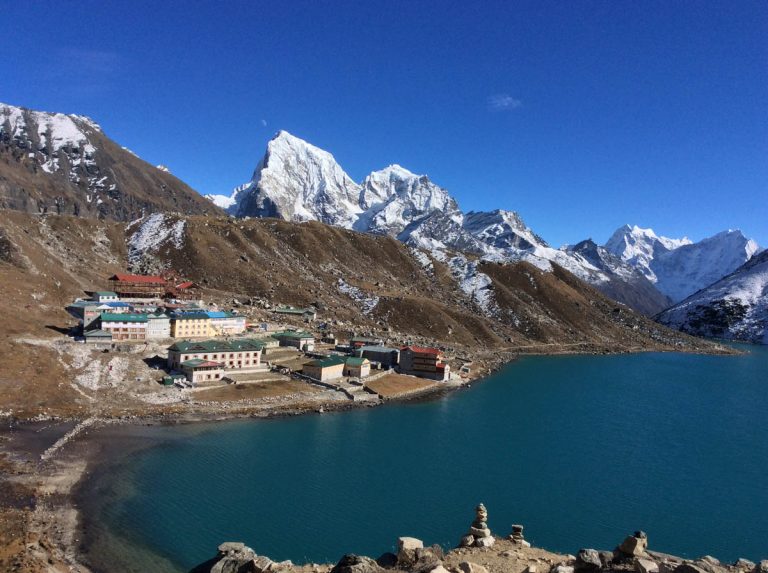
(646, 566)
(261, 564)
(761, 567)
(744, 564)
(606, 558)
(427, 559)
(351, 563)
(531, 569)
(469, 567)
(588, 560)
(387, 560)
(467, 541)
(688, 567)
(439, 569)
(406, 549)
(233, 557)
(634, 545)
(487, 541)
(562, 568)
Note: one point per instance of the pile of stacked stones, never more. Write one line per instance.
(517, 536)
(478, 535)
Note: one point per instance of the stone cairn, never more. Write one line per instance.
(517, 536)
(478, 535)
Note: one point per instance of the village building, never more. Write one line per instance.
(138, 286)
(296, 338)
(98, 337)
(198, 370)
(239, 355)
(87, 311)
(194, 324)
(187, 291)
(225, 323)
(360, 341)
(105, 296)
(385, 356)
(124, 326)
(324, 369)
(357, 367)
(158, 326)
(424, 362)
(308, 313)
(329, 338)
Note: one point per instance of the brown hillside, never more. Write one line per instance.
(46, 261)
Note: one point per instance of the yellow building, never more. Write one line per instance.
(191, 325)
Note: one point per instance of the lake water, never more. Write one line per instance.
(582, 450)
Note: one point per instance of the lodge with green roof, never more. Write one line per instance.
(335, 366)
(124, 326)
(296, 338)
(241, 354)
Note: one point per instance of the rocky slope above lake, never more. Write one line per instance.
(65, 164)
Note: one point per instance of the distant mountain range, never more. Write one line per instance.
(65, 164)
(297, 181)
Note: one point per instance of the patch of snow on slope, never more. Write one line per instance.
(367, 301)
(153, 232)
(422, 259)
(476, 285)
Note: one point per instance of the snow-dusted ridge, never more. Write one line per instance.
(680, 267)
(735, 307)
(297, 181)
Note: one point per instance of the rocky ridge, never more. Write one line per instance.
(65, 164)
(297, 181)
(733, 308)
(679, 267)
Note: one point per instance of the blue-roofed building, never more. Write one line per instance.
(225, 323)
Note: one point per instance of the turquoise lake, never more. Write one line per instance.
(582, 450)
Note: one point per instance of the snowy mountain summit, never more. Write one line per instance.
(297, 181)
(735, 307)
(679, 267)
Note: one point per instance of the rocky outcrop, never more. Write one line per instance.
(632, 555)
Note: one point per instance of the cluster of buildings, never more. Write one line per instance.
(413, 360)
(141, 308)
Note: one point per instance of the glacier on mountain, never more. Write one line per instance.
(735, 307)
(680, 267)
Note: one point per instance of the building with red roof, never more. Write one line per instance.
(424, 362)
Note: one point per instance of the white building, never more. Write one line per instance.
(225, 323)
(158, 326)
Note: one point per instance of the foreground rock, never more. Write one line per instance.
(503, 555)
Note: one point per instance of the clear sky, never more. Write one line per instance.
(582, 115)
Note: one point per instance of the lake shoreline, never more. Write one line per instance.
(61, 477)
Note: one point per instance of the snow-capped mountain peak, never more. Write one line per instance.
(502, 229)
(299, 182)
(679, 267)
(735, 307)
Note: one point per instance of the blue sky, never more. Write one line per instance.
(582, 116)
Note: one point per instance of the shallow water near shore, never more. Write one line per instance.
(582, 450)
